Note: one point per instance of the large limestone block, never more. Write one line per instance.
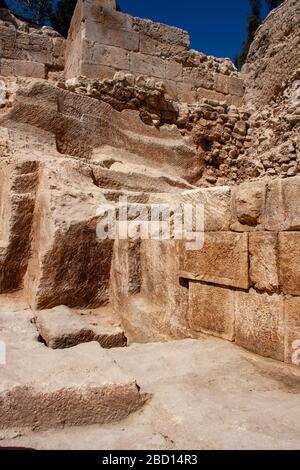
(162, 32)
(289, 262)
(45, 388)
(263, 248)
(292, 330)
(23, 68)
(111, 56)
(147, 65)
(259, 323)
(61, 328)
(282, 205)
(212, 309)
(216, 203)
(222, 260)
(248, 203)
(100, 33)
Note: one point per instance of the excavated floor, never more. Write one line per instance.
(204, 394)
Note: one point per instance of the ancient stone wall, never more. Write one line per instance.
(28, 51)
(243, 285)
(102, 41)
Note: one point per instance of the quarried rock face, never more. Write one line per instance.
(132, 118)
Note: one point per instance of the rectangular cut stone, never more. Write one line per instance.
(263, 261)
(147, 65)
(97, 71)
(162, 32)
(22, 68)
(229, 85)
(289, 262)
(159, 49)
(282, 205)
(216, 202)
(106, 55)
(223, 260)
(100, 33)
(259, 323)
(292, 330)
(212, 310)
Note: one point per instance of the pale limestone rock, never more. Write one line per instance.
(289, 262)
(263, 251)
(282, 207)
(259, 323)
(222, 260)
(61, 328)
(248, 205)
(292, 330)
(212, 309)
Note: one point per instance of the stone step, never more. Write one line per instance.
(45, 388)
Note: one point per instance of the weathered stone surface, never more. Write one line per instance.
(268, 64)
(212, 310)
(151, 66)
(289, 262)
(61, 328)
(222, 260)
(259, 323)
(282, 208)
(248, 205)
(45, 388)
(263, 250)
(292, 330)
(216, 203)
(17, 68)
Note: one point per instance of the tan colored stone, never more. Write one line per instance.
(173, 70)
(61, 328)
(248, 204)
(147, 65)
(212, 310)
(108, 56)
(216, 202)
(22, 68)
(101, 33)
(292, 330)
(289, 262)
(282, 205)
(259, 323)
(263, 261)
(222, 260)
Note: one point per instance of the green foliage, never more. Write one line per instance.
(254, 21)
